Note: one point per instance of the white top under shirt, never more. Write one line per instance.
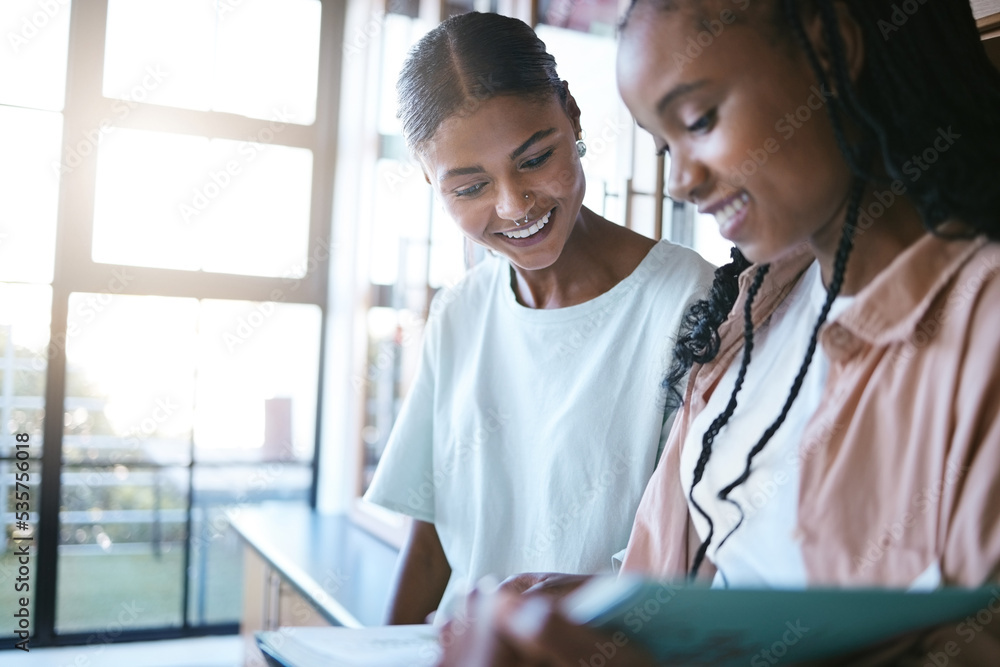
(528, 435)
(763, 551)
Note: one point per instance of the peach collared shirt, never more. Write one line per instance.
(900, 465)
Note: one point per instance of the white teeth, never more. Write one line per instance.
(525, 233)
(732, 209)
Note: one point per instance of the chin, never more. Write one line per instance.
(753, 253)
(761, 253)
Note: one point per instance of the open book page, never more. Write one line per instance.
(390, 646)
(701, 626)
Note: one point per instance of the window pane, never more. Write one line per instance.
(596, 16)
(409, 8)
(33, 62)
(122, 534)
(644, 215)
(129, 379)
(29, 192)
(709, 242)
(454, 7)
(190, 203)
(447, 261)
(175, 36)
(216, 551)
(258, 59)
(25, 312)
(268, 59)
(399, 33)
(258, 366)
(400, 215)
(587, 62)
(644, 167)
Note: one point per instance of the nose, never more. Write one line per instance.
(687, 177)
(514, 202)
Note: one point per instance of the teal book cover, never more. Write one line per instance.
(702, 626)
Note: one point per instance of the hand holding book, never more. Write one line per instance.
(638, 622)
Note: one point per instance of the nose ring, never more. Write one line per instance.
(518, 224)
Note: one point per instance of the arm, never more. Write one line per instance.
(421, 576)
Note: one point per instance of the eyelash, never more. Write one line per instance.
(533, 163)
(470, 191)
(703, 124)
(537, 162)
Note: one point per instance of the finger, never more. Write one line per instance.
(537, 630)
(471, 640)
(519, 583)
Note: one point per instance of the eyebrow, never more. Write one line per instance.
(517, 152)
(460, 171)
(679, 91)
(536, 137)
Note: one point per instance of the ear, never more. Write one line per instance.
(572, 110)
(851, 39)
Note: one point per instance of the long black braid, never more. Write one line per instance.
(720, 421)
(698, 342)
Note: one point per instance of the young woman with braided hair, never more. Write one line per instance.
(841, 425)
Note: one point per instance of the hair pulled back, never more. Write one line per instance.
(465, 61)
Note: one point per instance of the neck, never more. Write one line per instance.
(877, 241)
(598, 254)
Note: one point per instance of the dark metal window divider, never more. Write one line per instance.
(74, 271)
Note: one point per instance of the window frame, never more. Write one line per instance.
(85, 109)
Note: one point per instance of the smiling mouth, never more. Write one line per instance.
(529, 231)
(728, 212)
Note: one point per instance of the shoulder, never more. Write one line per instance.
(475, 289)
(970, 303)
(979, 276)
(676, 269)
(973, 303)
(959, 332)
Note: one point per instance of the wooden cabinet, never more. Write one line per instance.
(301, 568)
(269, 602)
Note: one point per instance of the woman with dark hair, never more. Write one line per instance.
(536, 416)
(841, 426)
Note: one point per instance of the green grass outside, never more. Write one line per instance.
(105, 593)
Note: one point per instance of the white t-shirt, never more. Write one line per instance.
(528, 435)
(763, 551)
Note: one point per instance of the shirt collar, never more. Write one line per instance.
(781, 278)
(891, 306)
